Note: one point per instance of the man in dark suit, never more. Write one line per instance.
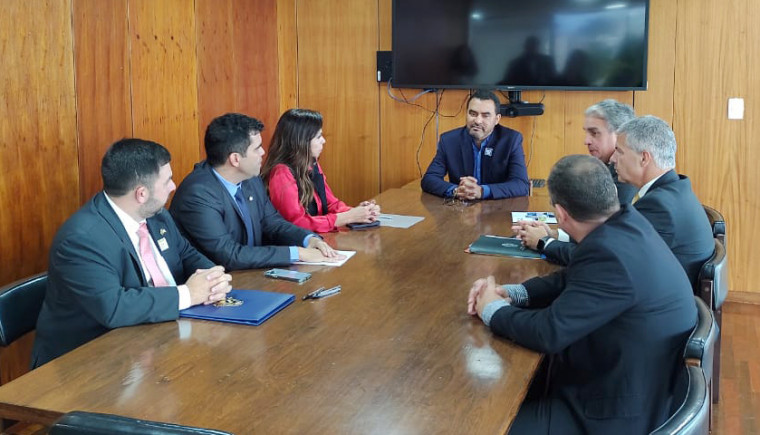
(224, 209)
(483, 160)
(613, 323)
(119, 259)
(600, 124)
(645, 156)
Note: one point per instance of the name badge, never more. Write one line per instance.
(488, 152)
(162, 244)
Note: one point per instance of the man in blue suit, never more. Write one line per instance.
(613, 323)
(483, 160)
(120, 260)
(224, 209)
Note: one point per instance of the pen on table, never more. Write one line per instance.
(311, 295)
(328, 292)
(322, 292)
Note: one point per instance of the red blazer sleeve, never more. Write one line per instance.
(283, 193)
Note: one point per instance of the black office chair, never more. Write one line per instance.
(692, 417)
(717, 223)
(90, 423)
(713, 289)
(20, 304)
(700, 348)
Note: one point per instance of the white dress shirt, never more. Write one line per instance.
(131, 226)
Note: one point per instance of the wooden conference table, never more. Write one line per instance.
(395, 352)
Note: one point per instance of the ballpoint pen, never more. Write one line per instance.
(312, 294)
(322, 292)
(328, 292)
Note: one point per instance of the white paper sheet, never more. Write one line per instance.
(348, 255)
(542, 216)
(398, 221)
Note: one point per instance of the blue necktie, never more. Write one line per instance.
(246, 215)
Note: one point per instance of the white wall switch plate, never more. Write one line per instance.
(736, 108)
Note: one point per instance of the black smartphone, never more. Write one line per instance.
(361, 226)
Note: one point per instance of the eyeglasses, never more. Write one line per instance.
(455, 202)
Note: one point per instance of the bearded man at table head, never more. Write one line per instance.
(483, 160)
(613, 323)
(120, 260)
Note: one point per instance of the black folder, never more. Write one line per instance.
(506, 246)
(257, 307)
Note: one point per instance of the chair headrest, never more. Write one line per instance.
(716, 221)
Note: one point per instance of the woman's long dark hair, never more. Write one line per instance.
(291, 146)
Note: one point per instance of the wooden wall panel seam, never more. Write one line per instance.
(131, 70)
(77, 141)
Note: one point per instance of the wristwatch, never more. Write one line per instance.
(541, 244)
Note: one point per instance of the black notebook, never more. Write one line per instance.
(249, 307)
(497, 245)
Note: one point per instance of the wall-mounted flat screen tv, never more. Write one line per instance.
(520, 44)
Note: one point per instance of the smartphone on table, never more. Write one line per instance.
(288, 275)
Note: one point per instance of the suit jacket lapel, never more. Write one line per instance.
(486, 160)
(231, 203)
(105, 210)
(469, 165)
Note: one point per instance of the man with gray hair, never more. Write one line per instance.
(613, 323)
(600, 125)
(645, 156)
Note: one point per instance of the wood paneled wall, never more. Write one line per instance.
(699, 55)
(337, 40)
(78, 75)
(39, 177)
(715, 58)
(102, 70)
(237, 61)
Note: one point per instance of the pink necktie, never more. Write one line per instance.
(146, 253)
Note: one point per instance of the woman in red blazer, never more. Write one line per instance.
(297, 186)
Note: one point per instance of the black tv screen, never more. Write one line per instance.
(520, 45)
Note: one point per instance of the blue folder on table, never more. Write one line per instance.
(257, 307)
